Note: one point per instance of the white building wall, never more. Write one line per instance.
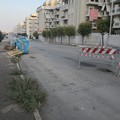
(31, 25)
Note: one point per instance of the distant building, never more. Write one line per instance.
(20, 29)
(31, 25)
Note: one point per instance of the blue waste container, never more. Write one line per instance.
(25, 42)
(22, 44)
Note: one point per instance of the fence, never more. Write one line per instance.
(93, 39)
(107, 58)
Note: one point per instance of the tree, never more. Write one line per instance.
(70, 31)
(44, 33)
(48, 34)
(60, 32)
(1, 36)
(54, 33)
(84, 29)
(22, 34)
(35, 34)
(103, 27)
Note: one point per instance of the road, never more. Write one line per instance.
(86, 94)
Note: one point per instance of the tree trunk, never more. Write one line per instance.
(82, 40)
(69, 40)
(61, 39)
(55, 39)
(102, 40)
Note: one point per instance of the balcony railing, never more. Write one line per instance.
(64, 7)
(116, 24)
(57, 19)
(56, 13)
(116, 11)
(94, 3)
(115, 1)
(65, 17)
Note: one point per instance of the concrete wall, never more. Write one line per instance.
(93, 39)
(114, 40)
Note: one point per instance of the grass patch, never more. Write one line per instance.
(15, 60)
(17, 71)
(26, 92)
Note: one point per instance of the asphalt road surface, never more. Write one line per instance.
(86, 94)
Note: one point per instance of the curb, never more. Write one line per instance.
(36, 113)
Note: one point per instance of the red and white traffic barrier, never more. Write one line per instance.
(98, 50)
(102, 55)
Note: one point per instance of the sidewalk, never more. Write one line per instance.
(9, 110)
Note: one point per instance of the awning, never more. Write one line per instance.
(108, 8)
(103, 7)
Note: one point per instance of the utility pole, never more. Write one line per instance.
(111, 16)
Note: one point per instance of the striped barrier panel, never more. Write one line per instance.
(109, 58)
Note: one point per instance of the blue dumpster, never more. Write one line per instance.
(22, 44)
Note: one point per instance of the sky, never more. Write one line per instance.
(14, 11)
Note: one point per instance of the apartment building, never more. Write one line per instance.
(49, 14)
(115, 14)
(31, 25)
(84, 10)
(55, 13)
(20, 28)
(45, 16)
(64, 13)
(111, 9)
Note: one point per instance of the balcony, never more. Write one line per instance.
(115, 1)
(94, 3)
(52, 16)
(56, 13)
(65, 17)
(64, 7)
(48, 20)
(56, 19)
(99, 14)
(116, 11)
(62, 15)
(116, 24)
(49, 26)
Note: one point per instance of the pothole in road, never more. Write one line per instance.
(69, 58)
(87, 64)
(33, 57)
(41, 49)
(71, 84)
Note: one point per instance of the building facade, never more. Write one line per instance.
(31, 25)
(115, 14)
(55, 13)
(49, 15)
(20, 28)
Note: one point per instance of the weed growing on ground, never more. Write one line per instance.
(26, 92)
(15, 60)
(17, 71)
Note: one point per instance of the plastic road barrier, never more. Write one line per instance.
(102, 57)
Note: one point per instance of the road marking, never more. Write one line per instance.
(37, 115)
